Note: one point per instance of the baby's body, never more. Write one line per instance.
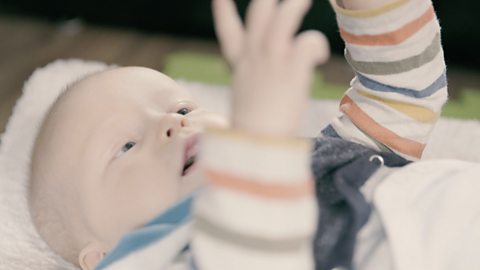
(120, 143)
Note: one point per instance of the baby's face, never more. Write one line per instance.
(132, 145)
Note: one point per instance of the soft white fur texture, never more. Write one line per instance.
(20, 246)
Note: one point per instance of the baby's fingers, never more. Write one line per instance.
(310, 49)
(259, 18)
(286, 23)
(229, 29)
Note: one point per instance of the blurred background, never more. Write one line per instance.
(177, 37)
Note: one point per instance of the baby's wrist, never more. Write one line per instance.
(265, 112)
(272, 122)
(272, 127)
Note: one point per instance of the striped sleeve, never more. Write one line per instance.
(258, 210)
(400, 84)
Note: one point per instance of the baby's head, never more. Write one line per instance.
(113, 152)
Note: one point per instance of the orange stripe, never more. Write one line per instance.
(364, 122)
(270, 190)
(391, 38)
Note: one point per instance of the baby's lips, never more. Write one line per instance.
(191, 146)
(190, 152)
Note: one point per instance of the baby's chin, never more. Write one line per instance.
(192, 181)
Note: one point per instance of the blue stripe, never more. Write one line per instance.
(440, 83)
(158, 228)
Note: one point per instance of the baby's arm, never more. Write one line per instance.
(259, 211)
(400, 84)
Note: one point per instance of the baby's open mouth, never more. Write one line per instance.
(188, 164)
(190, 155)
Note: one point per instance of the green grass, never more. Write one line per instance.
(211, 69)
(467, 106)
(205, 68)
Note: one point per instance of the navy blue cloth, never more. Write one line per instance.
(341, 168)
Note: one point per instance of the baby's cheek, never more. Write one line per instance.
(192, 182)
(155, 192)
(141, 204)
(135, 199)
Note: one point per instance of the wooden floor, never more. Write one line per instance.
(26, 44)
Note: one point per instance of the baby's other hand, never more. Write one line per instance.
(272, 67)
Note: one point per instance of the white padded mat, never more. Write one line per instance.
(20, 246)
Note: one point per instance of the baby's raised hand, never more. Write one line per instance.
(272, 67)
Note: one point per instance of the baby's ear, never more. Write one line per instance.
(91, 255)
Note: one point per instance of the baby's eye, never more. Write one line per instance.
(184, 111)
(127, 147)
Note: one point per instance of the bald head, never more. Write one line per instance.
(108, 158)
(52, 195)
(55, 180)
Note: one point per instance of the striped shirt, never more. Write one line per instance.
(259, 211)
(400, 84)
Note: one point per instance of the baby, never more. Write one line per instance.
(119, 147)
(116, 148)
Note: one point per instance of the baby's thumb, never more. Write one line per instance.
(311, 49)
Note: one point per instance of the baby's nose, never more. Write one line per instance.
(171, 124)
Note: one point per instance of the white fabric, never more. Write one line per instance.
(430, 212)
(20, 246)
(383, 23)
(280, 162)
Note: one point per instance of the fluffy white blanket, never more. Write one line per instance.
(21, 247)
